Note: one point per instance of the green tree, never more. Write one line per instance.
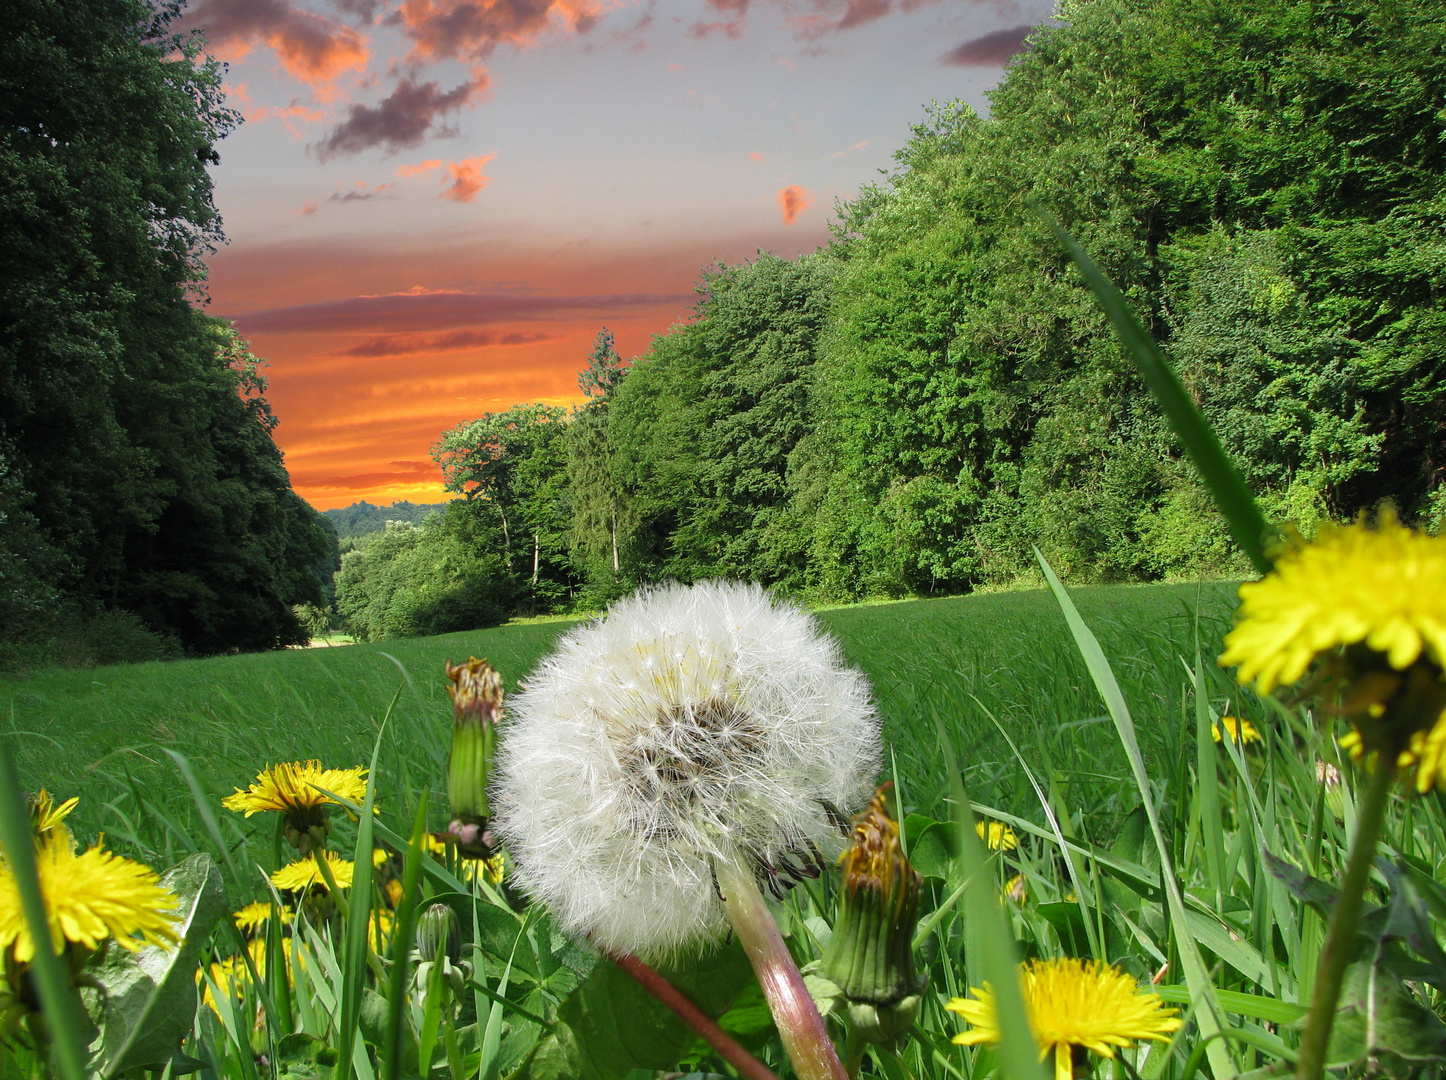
(515, 461)
(140, 454)
(602, 519)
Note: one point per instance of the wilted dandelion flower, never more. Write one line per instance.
(692, 727)
(1240, 731)
(1371, 603)
(997, 835)
(297, 790)
(45, 814)
(88, 897)
(1072, 1006)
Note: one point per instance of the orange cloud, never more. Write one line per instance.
(311, 47)
(793, 200)
(307, 209)
(755, 156)
(406, 172)
(467, 178)
(471, 29)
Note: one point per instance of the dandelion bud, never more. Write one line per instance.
(439, 935)
(870, 956)
(477, 706)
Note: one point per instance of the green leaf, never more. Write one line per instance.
(144, 1003)
(610, 1025)
(300, 1056)
(1379, 1019)
(1234, 499)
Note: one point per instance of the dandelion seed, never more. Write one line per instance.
(668, 762)
(692, 726)
(1073, 1006)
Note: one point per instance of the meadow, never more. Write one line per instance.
(996, 681)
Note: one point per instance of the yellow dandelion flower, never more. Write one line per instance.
(304, 874)
(88, 897)
(997, 835)
(1384, 586)
(1240, 731)
(294, 786)
(45, 814)
(297, 790)
(254, 915)
(1072, 1003)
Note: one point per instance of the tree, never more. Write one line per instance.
(140, 452)
(601, 517)
(515, 462)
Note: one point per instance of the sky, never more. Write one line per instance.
(432, 206)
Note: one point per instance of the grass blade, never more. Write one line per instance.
(1206, 1008)
(64, 1018)
(1247, 523)
(358, 916)
(1018, 1053)
(402, 940)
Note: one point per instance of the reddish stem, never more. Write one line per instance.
(801, 1027)
(731, 1052)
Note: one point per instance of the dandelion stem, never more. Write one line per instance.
(804, 1035)
(731, 1052)
(1330, 971)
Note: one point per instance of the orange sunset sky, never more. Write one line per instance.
(433, 205)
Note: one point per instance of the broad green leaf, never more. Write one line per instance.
(144, 1003)
(1377, 1017)
(610, 1025)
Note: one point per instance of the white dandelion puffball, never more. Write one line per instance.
(692, 724)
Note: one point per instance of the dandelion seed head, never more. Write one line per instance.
(692, 724)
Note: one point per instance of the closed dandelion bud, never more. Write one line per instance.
(477, 706)
(870, 956)
(439, 935)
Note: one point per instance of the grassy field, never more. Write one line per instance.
(1000, 674)
(101, 733)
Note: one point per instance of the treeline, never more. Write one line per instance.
(912, 409)
(363, 519)
(144, 508)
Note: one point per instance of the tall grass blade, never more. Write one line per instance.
(1207, 1014)
(203, 808)
(1207, 784)
(64, 1017)
(402, 940)
(358, 916)
(1018, 1052)
(1247, 523)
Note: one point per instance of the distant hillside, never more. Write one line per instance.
(361, 518)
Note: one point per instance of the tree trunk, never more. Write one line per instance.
(536, 551)
(613, 529)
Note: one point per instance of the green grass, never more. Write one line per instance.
(101, 732)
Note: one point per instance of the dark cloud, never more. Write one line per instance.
(991, 50)
(422, 311)
(403, 344)
(400, 121)
(364, 11)
(311, 47)
(471, 29)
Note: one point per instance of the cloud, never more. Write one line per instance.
(471, 29)
(399, 121)
(288, 115)
(307, 209)
(421, 168)
(861, 144)
(755, 156)
(991, 50)
(793, 200)
(467, 178)
(406, 344)
(358, 193)
(311, 47)
(421, 310)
